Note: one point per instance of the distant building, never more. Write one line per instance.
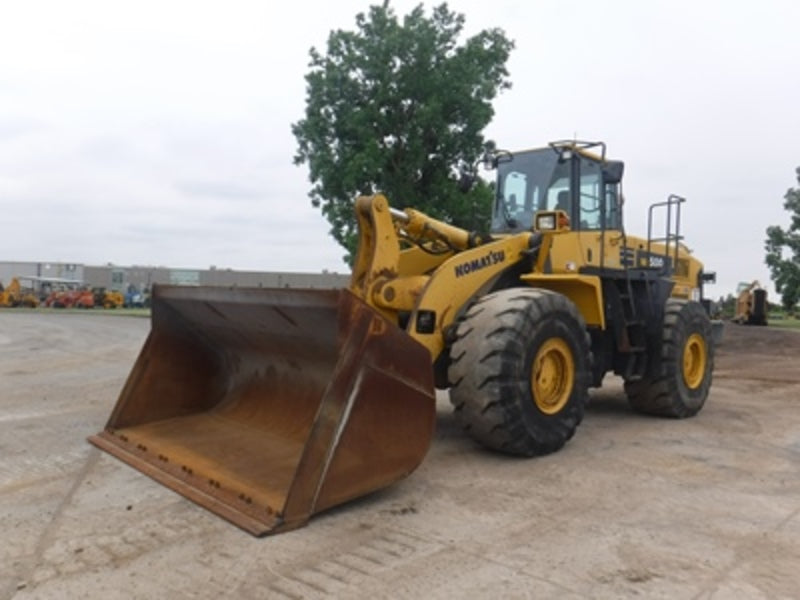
(119, 278)
(54, 270)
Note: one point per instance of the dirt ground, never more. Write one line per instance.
(633, 506)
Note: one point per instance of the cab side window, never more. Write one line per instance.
(612, 199)
(590, 195)
(599, 206)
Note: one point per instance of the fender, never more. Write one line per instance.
(584, 290)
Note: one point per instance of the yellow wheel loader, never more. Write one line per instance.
(269, 405)
(751, 304)
(15, 295)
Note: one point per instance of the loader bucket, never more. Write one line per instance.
(269, 405)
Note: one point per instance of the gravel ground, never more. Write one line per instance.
(633, 506)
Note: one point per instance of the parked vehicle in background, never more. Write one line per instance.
(751, 304)
(134, 298)
(16, 295)
(83, 298)
(108, 298)
(70, 298)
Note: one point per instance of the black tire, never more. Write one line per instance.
(498, 343)
(679, 377)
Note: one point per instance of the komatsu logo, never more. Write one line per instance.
(476, 264)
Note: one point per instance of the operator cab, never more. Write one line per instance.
(564, 176)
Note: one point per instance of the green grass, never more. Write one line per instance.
(786, 323)
(125, 312)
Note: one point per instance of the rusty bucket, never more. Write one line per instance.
(269, 405)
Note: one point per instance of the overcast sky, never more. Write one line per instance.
(158, 133)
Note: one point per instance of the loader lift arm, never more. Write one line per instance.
(426, 286)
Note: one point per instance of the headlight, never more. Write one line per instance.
(546, 222)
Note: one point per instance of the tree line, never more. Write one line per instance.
(783, 251)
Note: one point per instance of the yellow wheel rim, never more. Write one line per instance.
(694, 361)
(552, 375)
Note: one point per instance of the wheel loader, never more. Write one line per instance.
(267, 406)
(14, 295)
(751, 304)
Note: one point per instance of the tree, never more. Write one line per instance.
(399, 108)
(785, 272)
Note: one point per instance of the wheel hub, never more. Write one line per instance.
(694, 361)
(552, 376)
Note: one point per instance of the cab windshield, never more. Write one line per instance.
(540, 180)
(528, 182)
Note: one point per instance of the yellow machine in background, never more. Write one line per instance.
(108, 298)
(15, 295)
(751, 304)
(269, 405)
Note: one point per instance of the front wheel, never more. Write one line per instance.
(679, 377)
(520, 371)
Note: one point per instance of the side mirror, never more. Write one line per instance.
(612, 171)
(492, 158)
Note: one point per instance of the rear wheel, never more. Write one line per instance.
(520, 371)
(679, 377)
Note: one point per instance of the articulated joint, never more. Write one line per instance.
(534, 245)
